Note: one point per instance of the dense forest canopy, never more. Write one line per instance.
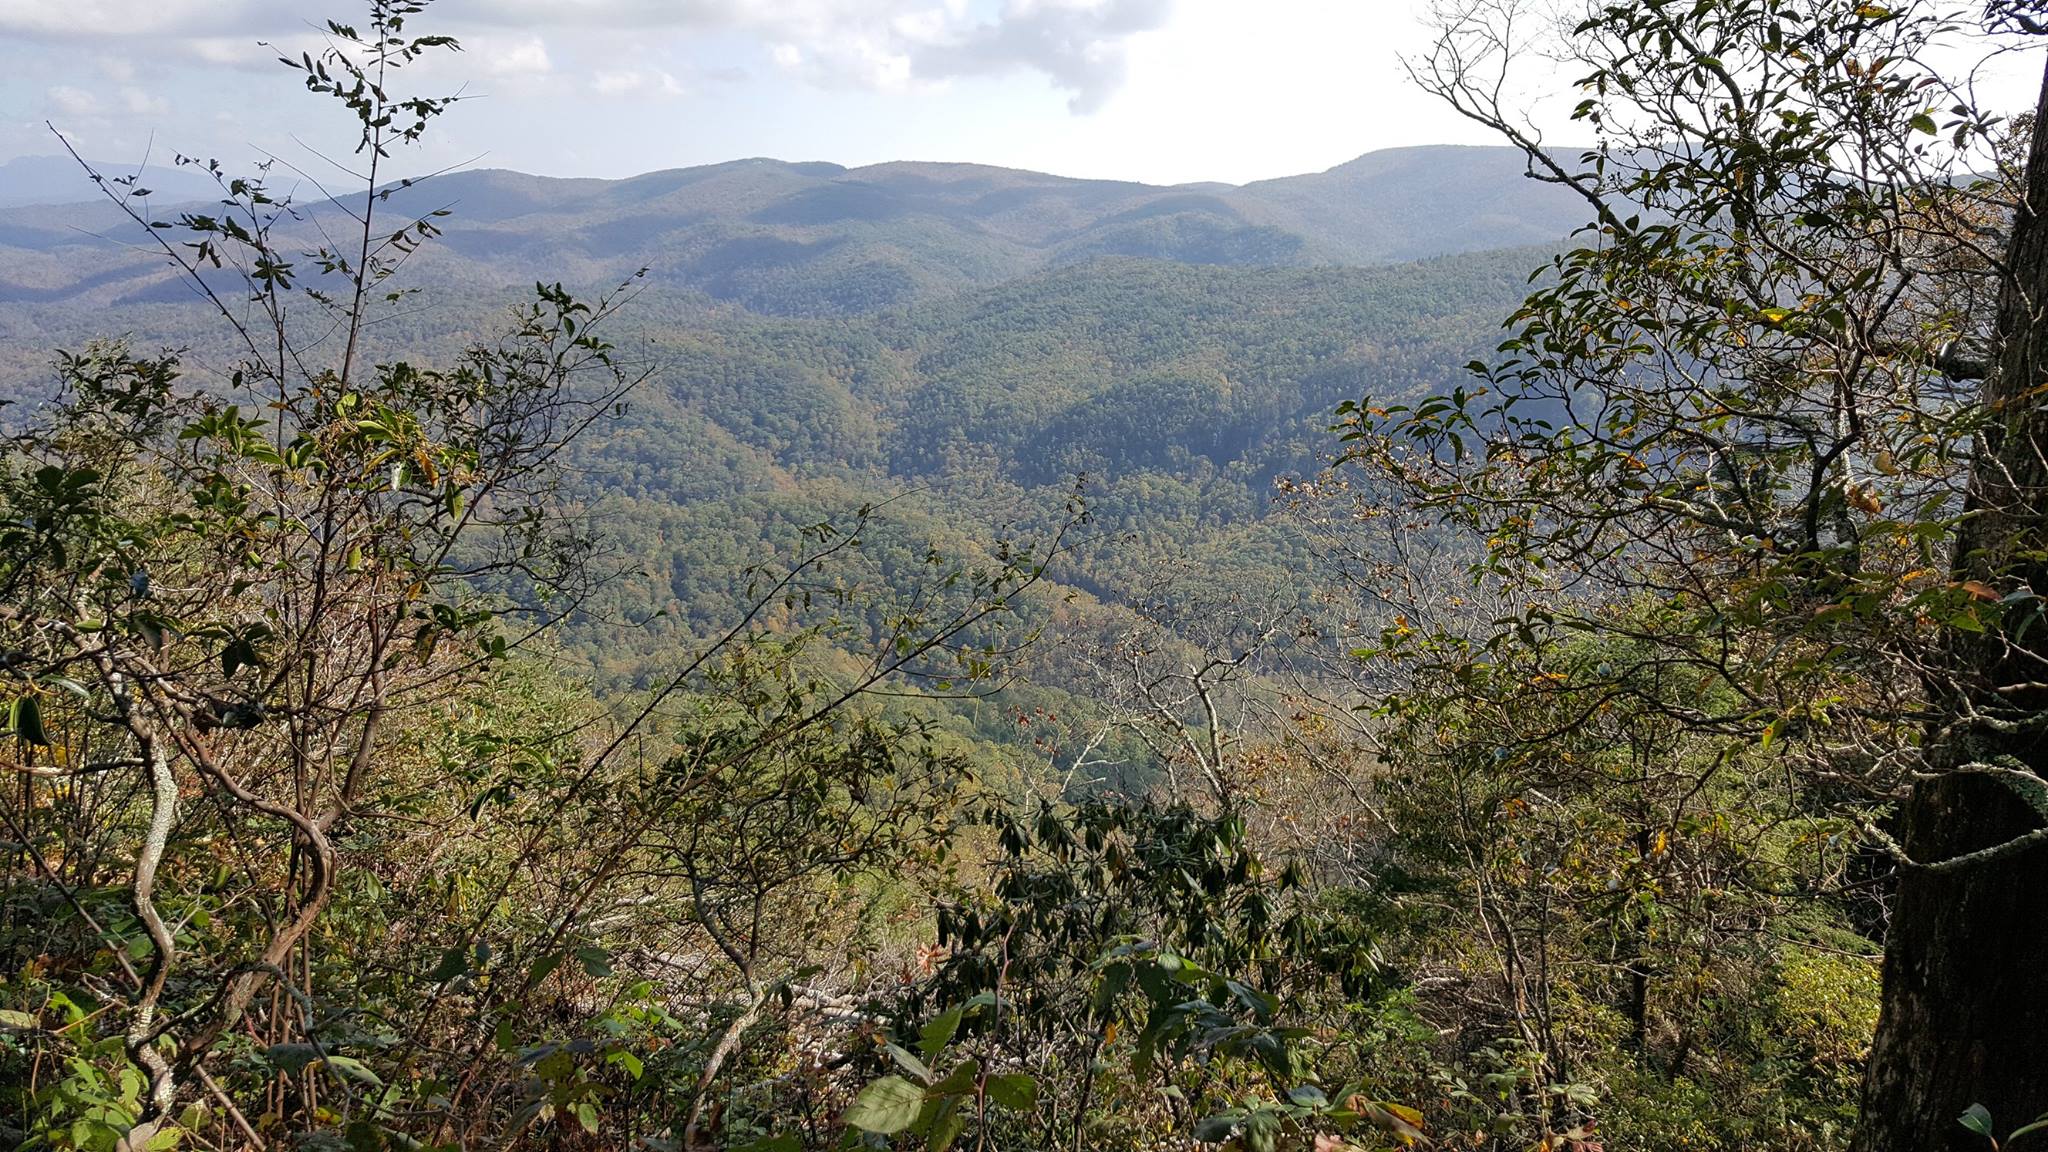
(938, 656)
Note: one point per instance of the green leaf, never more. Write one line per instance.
(1977, 1118)
(353, 1069)
(1218, 1128)
(1262, 1131)
(69, 685)
(909, 1063)
(454, 962)
(17, 1021)
(1307, 1096)
(938, 1032)
(365, 1136)
(782, 1142)
(25, 720)
(1115, 979)
(1922, 122)
(946, 1127)
(959, 1081)
(887, 1106)
(1015, 1091)
(235, 656)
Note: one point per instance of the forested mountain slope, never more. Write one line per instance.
(811, 239)
(1180, 392)
(960, 343)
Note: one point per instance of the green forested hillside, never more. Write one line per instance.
(1172, 395)
(1180, 392)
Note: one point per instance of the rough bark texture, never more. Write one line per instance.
(1965, 979)
(1965, 1004)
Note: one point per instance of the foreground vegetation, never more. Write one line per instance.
(1632, 744)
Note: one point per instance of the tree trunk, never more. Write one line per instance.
(1964, 1015)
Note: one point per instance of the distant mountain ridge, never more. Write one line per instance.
(788, 238)
(46, 180)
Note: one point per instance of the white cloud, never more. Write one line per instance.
(137, 102)
(113, 19)
(72, 103)
(526, 58)
(885, 45)
(247, 53)
(1079, 44)
(636, 82)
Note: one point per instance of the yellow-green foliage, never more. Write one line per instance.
(1827, 1004)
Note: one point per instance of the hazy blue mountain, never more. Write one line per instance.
(1414, 203)
(818, 239)
(29, 180)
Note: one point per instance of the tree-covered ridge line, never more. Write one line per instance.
(813, 239)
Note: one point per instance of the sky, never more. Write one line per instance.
(1164, 91)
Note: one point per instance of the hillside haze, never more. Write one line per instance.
(33, 180)
(818, 239)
